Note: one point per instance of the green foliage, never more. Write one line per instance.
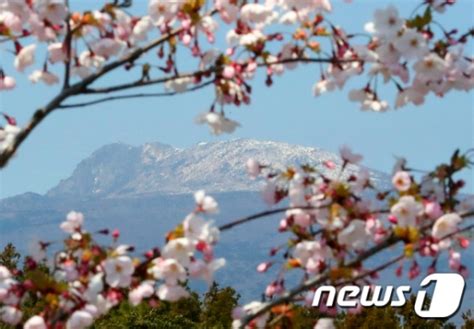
(217, 307)
(420, 21)
(214, 311)
(9, 257)
(383, 317)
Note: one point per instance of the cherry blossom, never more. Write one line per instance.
(25, 57)
(253, 168)
(402, 181)
(311, 255)
(171, 293)
(348, 156)
(79, 320)
(35, 322)
(74, 221)
(259, 322)
(10, 315)
(205, 203)
(355, 235)
(180, 249)
(57, 52)
(445, 225)
(218, 123)
(44, 76)
(118, 271)
(144, 290)
(55, 11)
(406, 211)
(325, 323)
(169, 270)
(205, 271)
(387, 22)
(7, 82)
(411, 44)
(8, 135)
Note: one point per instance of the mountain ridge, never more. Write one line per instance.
(122, 170)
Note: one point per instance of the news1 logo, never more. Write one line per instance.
(445, 299)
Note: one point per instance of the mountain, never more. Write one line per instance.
(121, 170)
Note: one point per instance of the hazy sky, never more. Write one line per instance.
(286, 112)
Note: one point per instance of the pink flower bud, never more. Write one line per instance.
(392, 219)
(329, 164)
(463, 242)
(115, 234)
(7, 83)
(186, 39)
(228, 72)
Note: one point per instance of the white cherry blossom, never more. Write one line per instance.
(217, 122)
(55, 11)
(10, 315)
(199, 229)
(205, 271)
(144, 290)
(171, 293)
(180, 249)
(79, 320)
(7, 83)
(355, 235)
(35, 322)
(206, 203)
(406, 210)
(387, 23)
(445, 225)
(411, 44)
(25, 57)
(169, 270)
(402, 181)
(74, 221)
(118, 271)
(43, 76)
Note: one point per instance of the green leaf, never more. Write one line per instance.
(421, 21)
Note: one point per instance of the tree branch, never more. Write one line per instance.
(67, 63)
(143, 83)
(247, 219)
(140, 95)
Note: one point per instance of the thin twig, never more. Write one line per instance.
(143, 83)
(247, 219)
(140, 95)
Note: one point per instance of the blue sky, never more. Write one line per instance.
(286, 112)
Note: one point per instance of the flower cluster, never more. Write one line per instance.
(417, 55)
(86, 279)
(335, 219)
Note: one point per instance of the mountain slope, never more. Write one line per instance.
(120, 170)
